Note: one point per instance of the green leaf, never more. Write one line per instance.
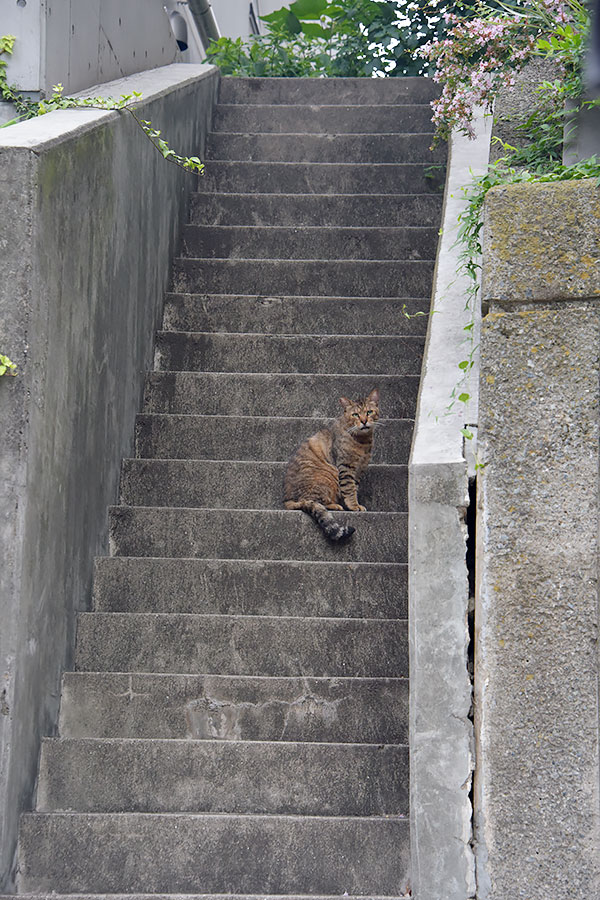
(464, 398)
(466, 433)
(309, 9)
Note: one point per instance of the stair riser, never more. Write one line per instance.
(294, 315)
(249, 534)
(223, 777)
(235, 242)
(177, 352)
(241, 645)
(210, 393)
(368, 148)
(327, 90)
(288, 119)
(268, 439)
(105, 854)
(322, 178)
(295, 210)
(353, 278)
(250, 587)
(236, 485)
(197, 708)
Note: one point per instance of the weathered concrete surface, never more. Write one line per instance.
(178, 853)
(554, 251)
(89, 218)
(442, 864)
(537, 798)
(272, 777)
(234, 708)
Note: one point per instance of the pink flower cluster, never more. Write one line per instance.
(480, 56)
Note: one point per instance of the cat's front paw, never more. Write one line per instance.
(361, 508)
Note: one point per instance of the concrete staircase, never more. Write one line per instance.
(237, 719)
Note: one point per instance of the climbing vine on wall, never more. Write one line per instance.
(29, 109)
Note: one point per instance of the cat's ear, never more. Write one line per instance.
(345, 402)
(373, 396)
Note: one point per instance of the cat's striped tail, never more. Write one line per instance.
(333, 530)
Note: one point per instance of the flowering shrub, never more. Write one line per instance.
(479, 56)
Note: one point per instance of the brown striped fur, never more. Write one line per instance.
(324, 472)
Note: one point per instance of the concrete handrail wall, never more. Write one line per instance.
(537, 666)
(89, 220)
(441, 734)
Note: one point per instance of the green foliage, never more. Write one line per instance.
(6, 366)
(29, 109)
(338, 38)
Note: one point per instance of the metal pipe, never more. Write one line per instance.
(205, 21)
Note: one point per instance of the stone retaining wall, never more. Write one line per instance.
(536, 673)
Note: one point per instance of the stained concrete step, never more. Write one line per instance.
(136, 852)
(212, 776)
(358, 179)
(234, 708)
(360, 148)
(241, 484)
(295, 315)
(250, 587)
(252, 534)
(266, 394)
(326, 278)
(241, 645)
(296, 209)
(277, 242)
(297, 118)
(55, 896)
(327, 90)
(252, 437)
(177, 351)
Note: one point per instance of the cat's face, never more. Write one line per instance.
(360, 416)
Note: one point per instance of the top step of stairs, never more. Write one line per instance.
(327, 90)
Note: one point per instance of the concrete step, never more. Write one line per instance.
(358, 179)
(327, 90)
(252, 534)
(252, 437)
(250, 587)
(54, 896)
(235, 484)
(299, 118)
(322, 277)
(241, 645)
(212, 776)
(266, 394)
(231, 854)
(295, 315)
(360, 148)
(277, 242)
(234, 708)
(315, 209)
(177, 351)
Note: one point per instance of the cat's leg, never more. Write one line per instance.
(334, 506)
(349, 489)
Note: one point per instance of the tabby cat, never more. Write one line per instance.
(325, 470)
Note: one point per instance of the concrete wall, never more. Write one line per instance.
(89, 219)
(80, 43)
(537, 784)
(441, 732)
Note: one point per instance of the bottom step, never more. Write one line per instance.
(228, 854)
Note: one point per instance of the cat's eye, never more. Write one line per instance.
(369, 412)
(355, 415)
